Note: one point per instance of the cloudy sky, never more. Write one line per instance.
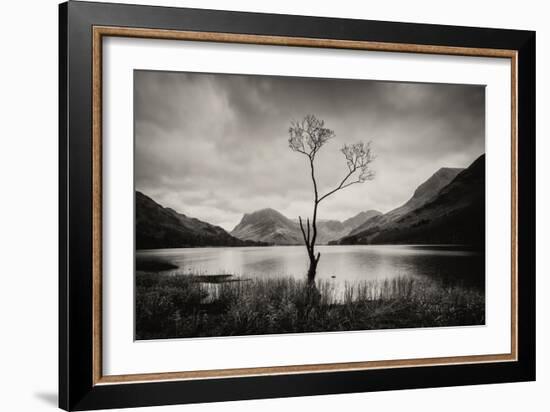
(215, 146)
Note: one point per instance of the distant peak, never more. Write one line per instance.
(264, 211)
(263, 214)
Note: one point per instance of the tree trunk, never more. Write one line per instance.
(312, 271)
(312, 293)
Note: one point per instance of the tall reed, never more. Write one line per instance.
(187, 306)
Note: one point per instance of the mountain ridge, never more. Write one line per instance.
(162, 227)
(271, 226)
(422, 194)
(455, 214)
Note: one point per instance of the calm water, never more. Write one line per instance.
(450, 264)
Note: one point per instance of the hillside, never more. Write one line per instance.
(161, 227)
(454, 215)
(423, 194)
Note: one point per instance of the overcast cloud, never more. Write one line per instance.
(215, 146)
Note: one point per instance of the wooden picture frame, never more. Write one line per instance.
(82, 384)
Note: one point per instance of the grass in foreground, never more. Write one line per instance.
(185, 306)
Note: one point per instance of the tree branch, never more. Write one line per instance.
(341, 185)
(358, 156)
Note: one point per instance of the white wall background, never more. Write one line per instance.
(28, 204)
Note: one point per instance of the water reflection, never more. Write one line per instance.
(449, 264)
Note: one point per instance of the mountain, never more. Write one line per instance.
(162, 227)
(330, 230)
(422, 195)
(454, 215)
(270, 226)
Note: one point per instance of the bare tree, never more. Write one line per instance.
(307, 137)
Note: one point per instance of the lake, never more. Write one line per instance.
(446, 263)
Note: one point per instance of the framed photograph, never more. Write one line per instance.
(257, 205)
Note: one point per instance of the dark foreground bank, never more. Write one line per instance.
(180, 306)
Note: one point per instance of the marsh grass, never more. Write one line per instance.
(172, 306)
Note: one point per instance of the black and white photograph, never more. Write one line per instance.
(271, 204)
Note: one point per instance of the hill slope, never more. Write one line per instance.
(423, 194)
(455, 214)
(360, 218)
(161, 227)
